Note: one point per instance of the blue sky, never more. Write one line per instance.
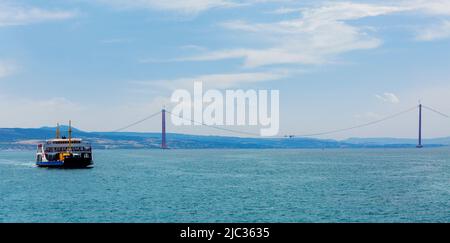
(105, 64)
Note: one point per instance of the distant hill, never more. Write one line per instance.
(391, 141)
(27, 138)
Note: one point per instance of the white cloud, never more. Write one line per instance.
(316, 37)
(285, 10)
(436, 32)
(217, 80)
(13, 14)
(388, 97)
(37, 112)
(6, 69)
(182, 6)
(321, 32)
(348, 11)
(429, 7)
(24, 112)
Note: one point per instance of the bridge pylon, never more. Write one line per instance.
(420, 145)
(163, 130)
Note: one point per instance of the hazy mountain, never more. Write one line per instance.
(27, 138)
(389, 141)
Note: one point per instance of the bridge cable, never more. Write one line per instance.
(215, 127)
(436, 111)
(358, 126)
(301, 135)
(138, 122)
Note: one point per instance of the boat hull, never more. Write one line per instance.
(67, 163)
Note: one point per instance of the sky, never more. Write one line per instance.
(107, 63)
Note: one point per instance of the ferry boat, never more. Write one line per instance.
(63, 152)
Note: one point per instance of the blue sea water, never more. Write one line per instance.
(337, 185)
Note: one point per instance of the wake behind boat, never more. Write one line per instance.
(63, 152)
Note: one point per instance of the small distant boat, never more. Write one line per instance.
(63, 152)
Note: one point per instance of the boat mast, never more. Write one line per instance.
(58, 134)
(70, 135)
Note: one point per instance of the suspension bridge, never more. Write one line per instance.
(418, 108)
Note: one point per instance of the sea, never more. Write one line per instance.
(313, 185)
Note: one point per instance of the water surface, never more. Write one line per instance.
(338, 185)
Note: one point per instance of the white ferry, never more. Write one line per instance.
(63, 152)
